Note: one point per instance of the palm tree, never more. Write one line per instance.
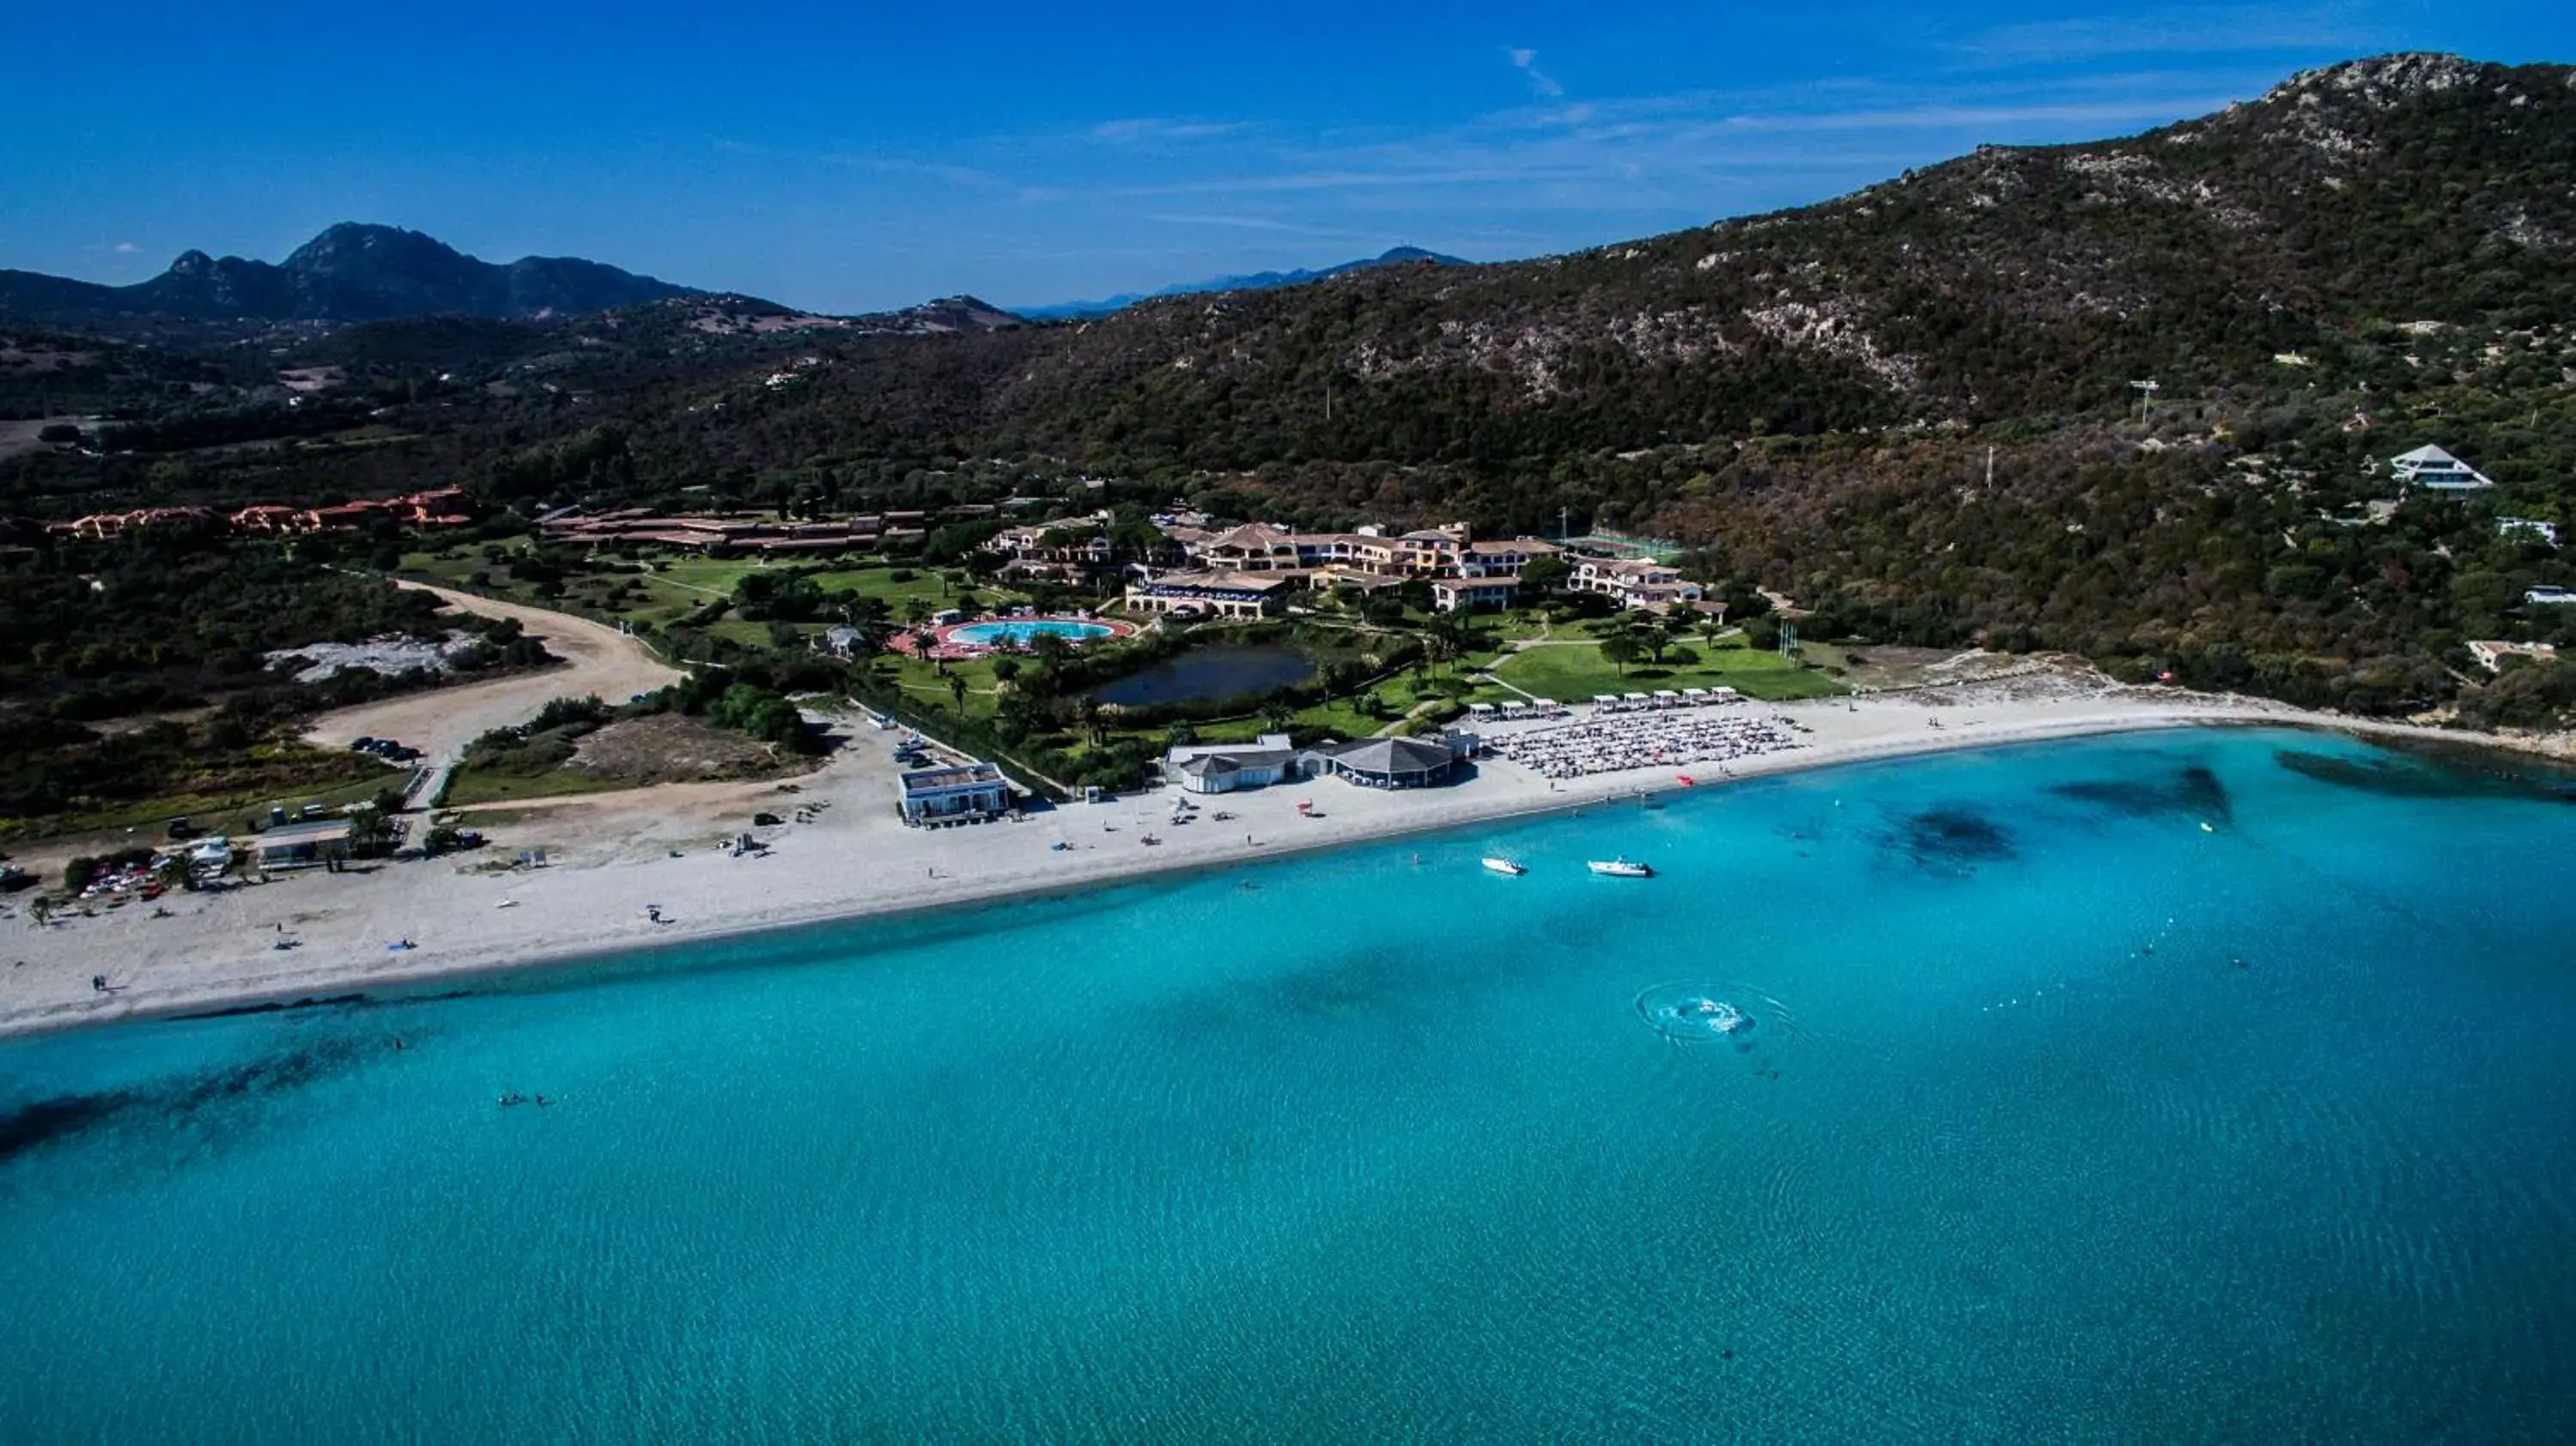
(1654, 640)
(1087, 709)
(175, 873)
(40, 911)
(957, 690)
(1277, 716)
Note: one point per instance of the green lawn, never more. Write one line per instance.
(928, 584)
(673, 587)
(1573, 672)
(922, 683)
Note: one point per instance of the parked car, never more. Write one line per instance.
(181, 828)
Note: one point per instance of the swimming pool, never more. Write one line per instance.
(1023, 630)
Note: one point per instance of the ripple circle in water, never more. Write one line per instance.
(1692, 1013)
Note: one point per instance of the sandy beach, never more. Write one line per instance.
(612, 857)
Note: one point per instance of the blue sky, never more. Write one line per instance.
(858, 156)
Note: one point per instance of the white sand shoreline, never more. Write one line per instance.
(614, 852)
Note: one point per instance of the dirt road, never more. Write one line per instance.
(605, 663)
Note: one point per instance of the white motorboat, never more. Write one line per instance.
(1502, 865)
(1621, 868)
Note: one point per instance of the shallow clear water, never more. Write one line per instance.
(2059, 1117)
(1022, 630)
(1203, 674)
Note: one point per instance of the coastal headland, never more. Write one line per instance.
(634, 869)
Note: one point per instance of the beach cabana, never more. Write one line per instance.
(318, 844)
(1667, 698)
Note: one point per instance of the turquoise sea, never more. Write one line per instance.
(2061, 1117)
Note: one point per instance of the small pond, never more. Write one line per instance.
(1202, 674)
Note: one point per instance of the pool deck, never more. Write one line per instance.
(944, 642)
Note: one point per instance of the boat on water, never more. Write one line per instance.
(1621, 868)
(1502, 865)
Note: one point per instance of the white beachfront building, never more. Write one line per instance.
(1636, 582)
(2430, 466)
(1225, 767)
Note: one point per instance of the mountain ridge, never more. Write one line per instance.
(350, 272)
(1251, 281)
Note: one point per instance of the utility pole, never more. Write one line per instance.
(1564, 523)
(2146, 391)
(1990, 469)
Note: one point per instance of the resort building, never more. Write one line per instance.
(1636, 582)
(2550, 596)
(952, 793)
(2432, 467)
(2491, 655)
(1253, 547)
(1371, 559)
(2546, 532)
(1467, 594)
(1069, 549)
(1504, 558)
(1205, 594)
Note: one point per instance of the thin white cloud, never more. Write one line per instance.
(1971, 117)
(2172, 30)
(1526, 62)
(126, 248)
(1248, 223)
(1139, 130)
(906, 166)
(1610, 154)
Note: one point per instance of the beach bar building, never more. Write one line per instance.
(1392, 762)
(1226, 767)
(952, 793)
(318, 844)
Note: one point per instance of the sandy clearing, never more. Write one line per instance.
(603, 662)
